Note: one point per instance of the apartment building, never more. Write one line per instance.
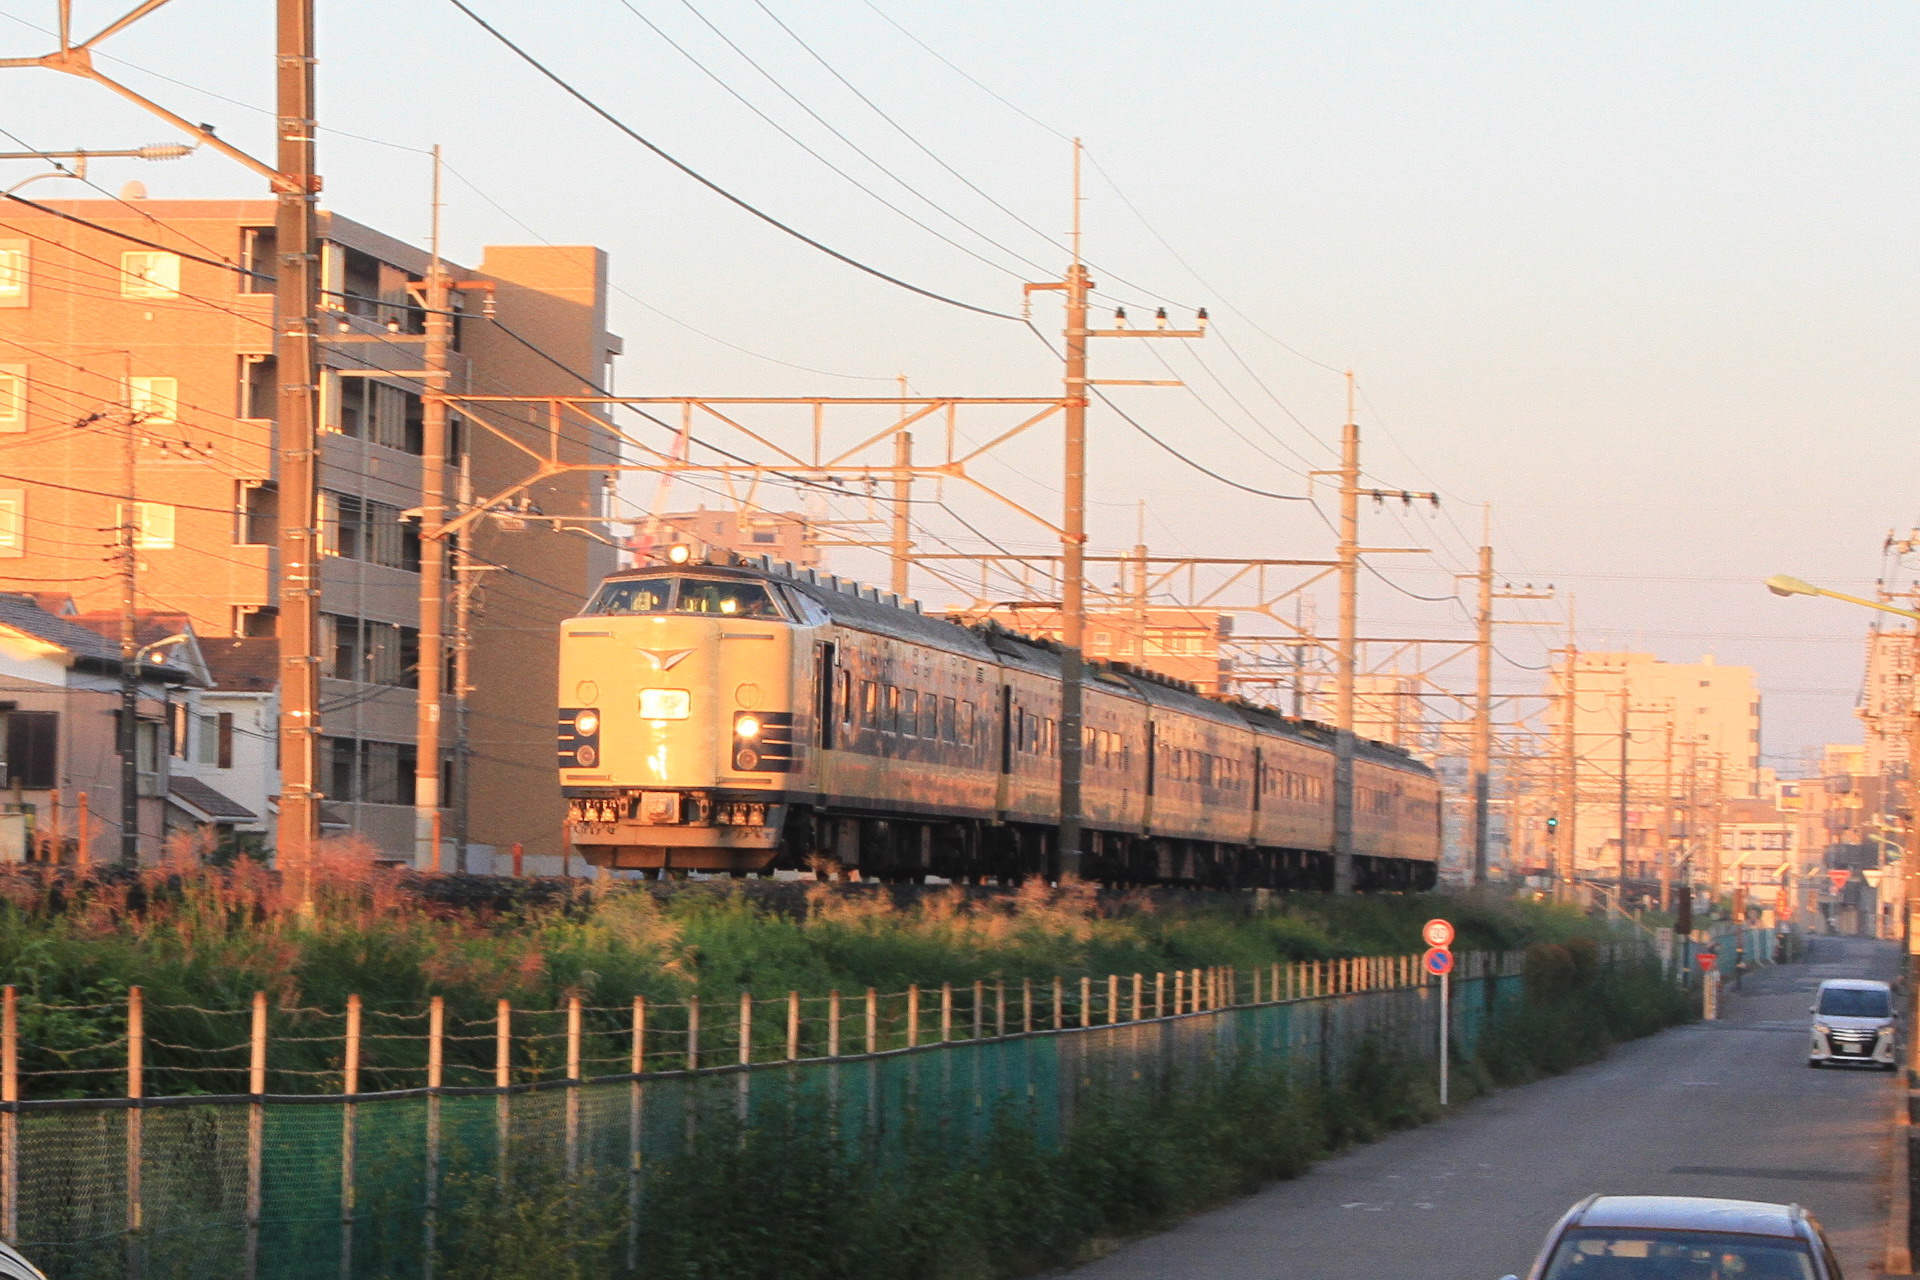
(1684, 736)
(749, 531)
(1181, 643)
(137, 376)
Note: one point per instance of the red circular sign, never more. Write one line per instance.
(1437, 933)
(1707, 959)
(1438, 961)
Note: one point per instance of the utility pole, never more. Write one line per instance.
(467, 578)
(902, 539)
(1565, 847)
(433, 556)
(296, 292)
(1073, 525)
(1626, 734)
(1347, 655)
(127, 541)
(1480, 763)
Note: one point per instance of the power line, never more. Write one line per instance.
(708, 183)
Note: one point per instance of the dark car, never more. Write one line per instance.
(1684, 1238)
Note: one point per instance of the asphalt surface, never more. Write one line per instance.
(1717, 1109)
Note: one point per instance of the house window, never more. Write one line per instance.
(13, 273)
(13, 521)
(154, 399)
(206, 740)
(33, 750)
(145, 273)
(259, 387)
(356, 528)
(256, 513)
(13, 397)
(152, 525)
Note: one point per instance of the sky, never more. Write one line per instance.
(1641, 277)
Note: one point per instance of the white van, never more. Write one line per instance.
(1853, 1022)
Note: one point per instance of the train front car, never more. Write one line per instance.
(678, 735)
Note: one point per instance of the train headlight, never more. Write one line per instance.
(747, 726)
(665, 704)
(679, 553)
(587, 723)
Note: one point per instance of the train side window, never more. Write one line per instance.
(891, 722)
(846, 698)
(870, 704)
(966, 723)
(909, 713)
(1051, 732)
(949, 717)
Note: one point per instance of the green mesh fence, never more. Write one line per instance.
(313, 1187)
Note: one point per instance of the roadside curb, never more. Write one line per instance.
(1899, 1254)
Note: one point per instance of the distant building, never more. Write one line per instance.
(1886, 700)
(784, 535)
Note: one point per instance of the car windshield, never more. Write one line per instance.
(1619, 1254)
(684, 595)
(1853, 1002)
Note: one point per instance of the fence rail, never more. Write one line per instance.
(327, 1179)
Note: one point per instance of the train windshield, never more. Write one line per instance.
(684, 595)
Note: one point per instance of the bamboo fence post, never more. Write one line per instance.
(349, 1133)
(636, 1102)
(873, 1021)
(833, 1023)
(256, 1128)
(136, 1091)
(693, 1033)
(1253, 975)
(1086, 1000)
(1000, 1008)
(83, 836)
(1160, 994)
(1026, 1005)
(946, 1012)
(746, 1027)
(436, 1066)
(10, 1118)
(1113, 998)
(979, 1009)
(1137, 986)
(573, 1085)
(1059, 1001)
(913, 1015)
(1179, 990)
(793, 1025)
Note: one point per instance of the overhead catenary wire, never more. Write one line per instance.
(710, 184)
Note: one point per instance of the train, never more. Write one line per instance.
(724, 714)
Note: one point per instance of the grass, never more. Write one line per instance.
(201, 940)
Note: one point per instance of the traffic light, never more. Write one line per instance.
(1553, 824)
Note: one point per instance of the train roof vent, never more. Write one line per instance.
(915, 606)
(893, 599)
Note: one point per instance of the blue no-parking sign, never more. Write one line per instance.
(1438, 961)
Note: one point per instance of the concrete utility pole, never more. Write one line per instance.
(433, 554)
(901, 546)
(1626, 737)
(127, 541)
(1565, 848)
(296, 294)
(1480, 762)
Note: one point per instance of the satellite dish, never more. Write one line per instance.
(135, 190)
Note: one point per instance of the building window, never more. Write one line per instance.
(154, 399)
(13, 397)
(33, 750)
(367, 772)
(259, 387)
(13, 522)
(206, 740)
(380, 414)
(258, 253)
(145, 273)
(256, 513)
(370, 652)
(360, 529)
(152, 525)
(13, 273)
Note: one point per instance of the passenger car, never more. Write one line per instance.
(15, 1267)
(1853, 1022)
(1684, 1238)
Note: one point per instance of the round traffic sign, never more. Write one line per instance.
(1438, 933)
(1706, 959)
(1438, 961)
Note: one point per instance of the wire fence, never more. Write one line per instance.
(258, 1170)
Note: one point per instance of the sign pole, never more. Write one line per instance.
(1446, 1025)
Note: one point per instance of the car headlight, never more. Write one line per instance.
(665, 704)
(587, 723)
(747, 726)
(1821, 1029)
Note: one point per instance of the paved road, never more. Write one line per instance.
(1727, 1109)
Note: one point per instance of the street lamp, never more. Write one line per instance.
(130, 745)
(1782, 584)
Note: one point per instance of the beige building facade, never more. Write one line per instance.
(137, 375)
